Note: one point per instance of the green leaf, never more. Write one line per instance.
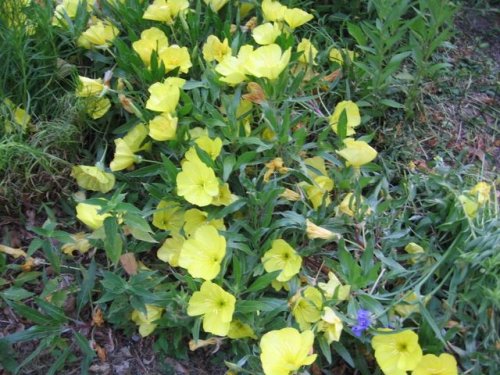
(113, 243)
(262, 281)
(264, 304)
(392, 103)
(325, 348)
(54, 312)
(33, 333)
(342, 351)
(16, 294)
(31, 314)
(86, 286)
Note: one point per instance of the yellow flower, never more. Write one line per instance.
(318, 167)
(165, 96)
(214, 49)
(290, 195)
(135, 138)
(168, 216)
(306, 308)
(124, 156)
(194, 219)
(197, 183)
(352, 114)
(163, 127)
(413, 248)
(87, 214)
(175, 57)
(469, 205)
(89, 87)
(240, 330)
(216, 5)
(334, 288)
(314, 231)
(308, 50)
(275, 165)
(203, 253)
(80, 243)
(268, 61)
(245, 8)
(100, 34)
(273, 10)
(331, 325)
(482, 192)
(233, 68)
(67, 8)
(282, 257)
(165, 10)
(316, 193)
(410, 305)
(350, 205)
(93, 178)
(337, 55)
(145, 321)
(397, 353)
(212, 147)
(266, 33)
(216, 305)
(171, 249)
(225, 197)
(19, 116)
(297, 17)
(152, 39)
(286, 350)
(430, 364)
(357, 153)
(97, 107)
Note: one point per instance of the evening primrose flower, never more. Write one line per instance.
(174, 57)
(296, 17)
(275, 165)
(482, 192)
(225, 197)
(216, 5)
(165, 96)
(215, 305)
(314, 231)
(357, 153)
(350, 204)
(286, 350)
(124, 156)
(165, 10)
(88, 215)
(240, 330)
(352, 114)
(163, 127)
(308, 50)
(168, 216)
(430, 364)
(214, 49)
(306, 307)
(145, 321)
(337, 55)
(397, 353)
(135, 138)
(194, 219)
(19, 116)
(97, 107)
(268, 61)
(100, 35)
(212, 147)
(170, 251)
(266, 33)
(273, 10)
(232, 69)
(469, 205)
(331, 325)
(197, 183)
(93, 178)
(67, 8)
(282, 257)
(334, 288)
(152, 39)
(79, 243)
(317, 193)
(203, 253)
(89, 87)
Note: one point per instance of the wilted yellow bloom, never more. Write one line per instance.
(282, 257)
(216, 305)
(171, 249)
(470, 206)
(352, 115)
(163, 127)
(350, 205)
(89, 87)
(357, 153)
(216, 5)
(124, 156)
(168, 216)
(165, 10)
(225, 197)
(297, 17)
(413, 248)
(314, 231)
(203, 253)
(214, 49)
(306, 307)
(267, 61)
(397, 353)
(174, 57)
(430, 364)
(240, 330)
(331, 325)
(97, 107)
(212, 147)
(198, 344)
(152, 39)
(145, 321)
(482, 192)
(101, 34)
(93, 178)
(194, 219)
(233, 69)
(135, 138)
(273, 10)
(80, 243)
(285, 351)
(197, 183)
(275, 165)
(337, 55)
(165, 96)
(88, 215)
(266, 33)
(308, 50)
(334, 288)
(290, 195)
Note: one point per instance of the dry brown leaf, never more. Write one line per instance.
(129, 263)
(101, 353)
(217, 341)
(255, 93)
(97, 318)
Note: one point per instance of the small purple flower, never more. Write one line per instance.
(363, 322)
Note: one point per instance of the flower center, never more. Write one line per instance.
(402, 347)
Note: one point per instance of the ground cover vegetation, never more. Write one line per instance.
(244, 187)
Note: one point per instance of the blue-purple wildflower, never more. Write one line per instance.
(363, 322)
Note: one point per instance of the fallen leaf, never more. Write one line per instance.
(129, 263)
(217, 341)
(101, 353)
(97, 318)
(16, 253)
